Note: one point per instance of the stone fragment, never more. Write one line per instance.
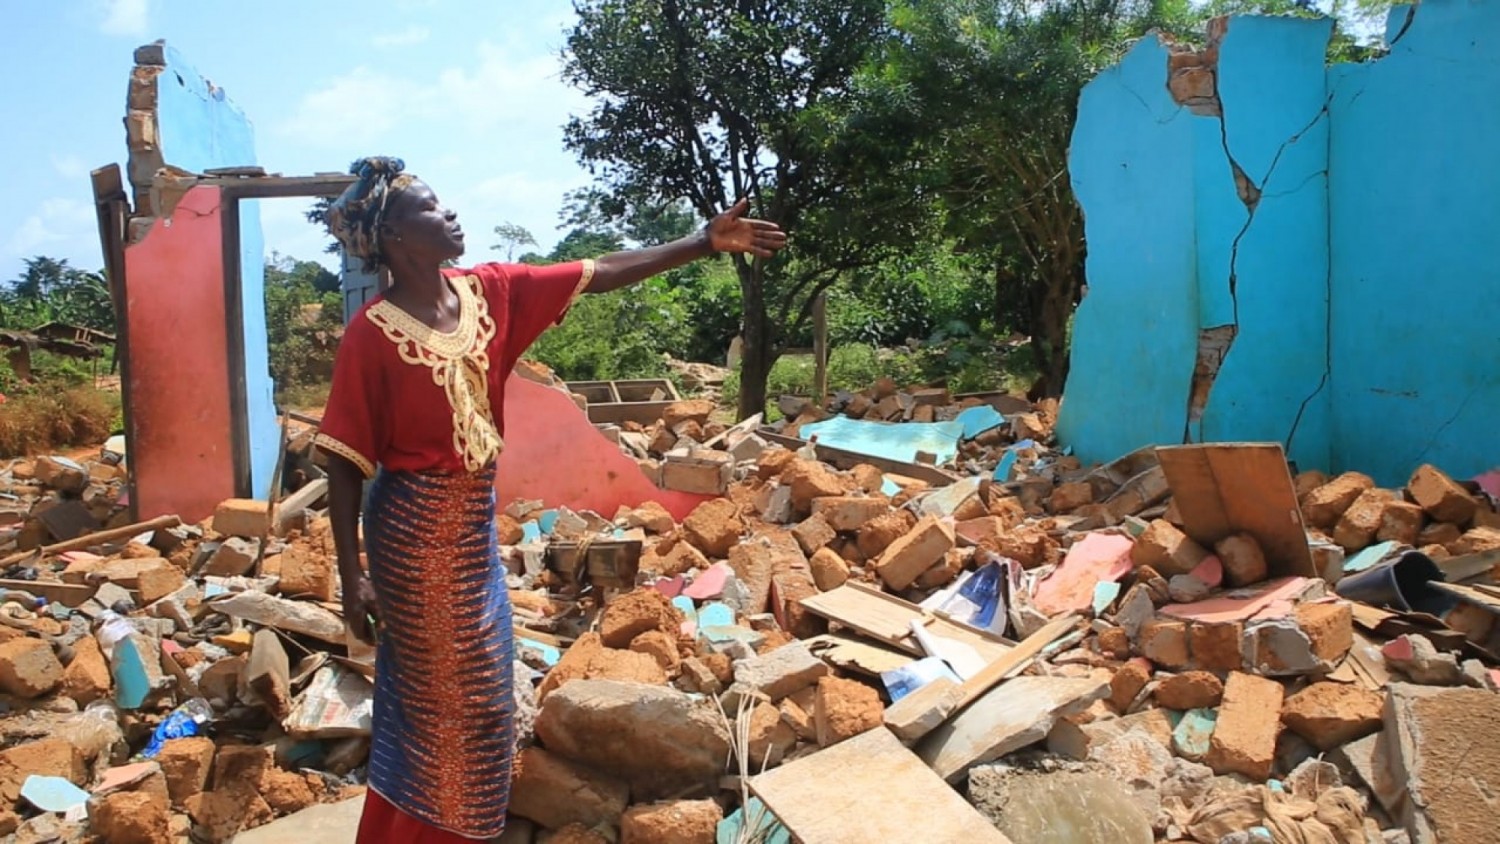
(1165, 642)
(242, 517)
(714, 527)
(87, 677)
(660, 740)
(1401, 521)
(1244, 739)
(224, 813)
(588, 659)
(1114, 643)
(1077, 740)
(1192, 739)
(1477, 541)
(653, 517)
(845, 708)
(555, 792)
(813, 533)
(1190, 690)
(305, 573)
(675, 822)
(829, 570)
(1028, 545)
(1441, 496)
(692, 410)
(186, 763)
(788, 669)
(233, 558)
(919, 550)
(877, 536)
(1329, 715)
(1446, 750)
(131, 817)
(1168, 550)
(849, 513)
(681, 557)
(1069, 497)
(660, 646)
(921, 711)
(1356, 529)
(28, 668)
(1187, 589)
(1216, 647)
(1243, 560)
(634, 613)
(1127, 683)
(61, 474)
(1439, 533)
(1415, 656)
(1324, 506)
(808, 480)
(48, 757)
(1058, 807)
(771, 738)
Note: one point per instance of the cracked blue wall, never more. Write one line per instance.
(1363, 292)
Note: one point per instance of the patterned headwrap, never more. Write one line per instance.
(354, 218)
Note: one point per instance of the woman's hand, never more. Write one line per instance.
(732, 231)
(359, 607)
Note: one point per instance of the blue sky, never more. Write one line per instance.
(466, 91)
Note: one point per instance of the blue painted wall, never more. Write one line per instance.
(201, 128)
(1366, 295)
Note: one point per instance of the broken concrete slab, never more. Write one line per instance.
(1013, 715)
(1445, 747)
(1059, 807)
(844, 794)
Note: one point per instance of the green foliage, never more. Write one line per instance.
(706, 103)
(512, 237)
(49, 290)
(304, 319)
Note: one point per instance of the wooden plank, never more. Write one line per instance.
(67, 594)
(1469, 566)
(100, 538)
(1016, 659)
(1227, 488)
(869, 788)
(849, 653)
(1481, 597)
(305, 498)
(841, 459)
(887, 619)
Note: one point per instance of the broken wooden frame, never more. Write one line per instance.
(842, 459)
(235, 184)
(614, 402)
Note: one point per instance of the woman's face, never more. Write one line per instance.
(419, 227)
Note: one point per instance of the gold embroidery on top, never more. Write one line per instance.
(459, 361)
(333, 446)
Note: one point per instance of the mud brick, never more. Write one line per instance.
(1356, 529)
(1168, 550)
(1329, 626)
(700, 471)
(813, 533)
(1127, 683)
(1441, 496)
(1165, 642)
(1069, 497)
(1216, 647)
(1400, 521)
(1243, 560)
(1330, 715)
(1244, 740)
(850, 513)
(919, 550)
(1324, 506)
(242, 517)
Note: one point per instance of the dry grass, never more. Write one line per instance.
(46, 419)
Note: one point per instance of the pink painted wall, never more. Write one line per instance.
(180, 451)
(553, 454)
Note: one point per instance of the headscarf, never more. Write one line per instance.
(355, 218)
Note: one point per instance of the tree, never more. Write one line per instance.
(704, 103)
(49, 289)
(511, 237)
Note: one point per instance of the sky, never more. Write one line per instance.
(468, 92)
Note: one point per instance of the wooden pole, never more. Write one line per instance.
(274, 497)
(99, 538)
(820, 349)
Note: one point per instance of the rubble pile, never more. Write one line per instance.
(1185, 644)
(992, 435)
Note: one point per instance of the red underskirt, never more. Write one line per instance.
(383, 823)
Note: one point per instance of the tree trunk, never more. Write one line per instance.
(758, 352)
(1049, 337)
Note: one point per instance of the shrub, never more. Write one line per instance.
(45, 418)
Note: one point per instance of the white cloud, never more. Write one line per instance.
(407, 37)
(126, 17)
(354, 110)
(69, 166)
(285, 230)
(60, 228)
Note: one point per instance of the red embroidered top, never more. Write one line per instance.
(409, 398)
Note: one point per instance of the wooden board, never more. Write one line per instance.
(887, 619)
(870, 788)
(1017, 659)
(68, 594)
(1016, 714)
(841, 459)
(1227, 488)
(850, 653)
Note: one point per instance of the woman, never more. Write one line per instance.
(418, 393)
